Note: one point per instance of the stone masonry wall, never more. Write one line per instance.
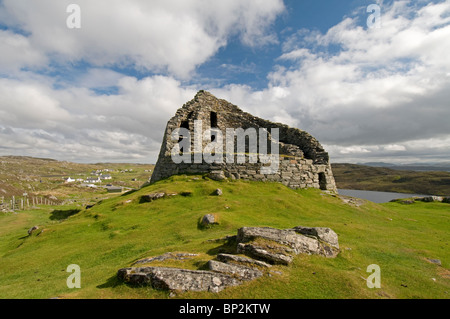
(303, 161)
(293, 172)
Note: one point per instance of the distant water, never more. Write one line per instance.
(376, 197)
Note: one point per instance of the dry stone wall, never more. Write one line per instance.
(303, 163)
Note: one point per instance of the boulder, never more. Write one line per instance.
(32, 229)
(208, 219)
(152, 197)
(242, 272)
(218, 192)
(435, 261)
(321, 241)
(430, 199)
(217, 175)
(177, 279)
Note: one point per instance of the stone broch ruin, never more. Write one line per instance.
(303, 161)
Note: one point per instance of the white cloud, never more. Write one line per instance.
(149, 35)
(17, 51)
(395, 148)
(77, 124)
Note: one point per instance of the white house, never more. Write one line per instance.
(106, 176)
(92, 180)
(69, 180)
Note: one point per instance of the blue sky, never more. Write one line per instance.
(105, 91)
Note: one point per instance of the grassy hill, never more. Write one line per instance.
(352, 176)
(45, 177)
(118, 231)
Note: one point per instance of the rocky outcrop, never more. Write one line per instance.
(262, 245)
(280, 246)
(178, 279)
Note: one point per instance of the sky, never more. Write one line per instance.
(370, 87)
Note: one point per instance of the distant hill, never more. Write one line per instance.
(387, 179)
(45, 177)
(445, 167)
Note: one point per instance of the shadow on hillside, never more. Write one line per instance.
(228, 247)
(129, 192)
(63, 214)
(110, 283)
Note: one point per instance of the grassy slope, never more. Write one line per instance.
(352, 176)
(115, 233)
(44, 177)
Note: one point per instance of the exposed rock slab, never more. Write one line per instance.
(271, 254)
(268, 245)
(233, 259)
(166, 256)
(242, 272)
(323, 241)
(177, 279)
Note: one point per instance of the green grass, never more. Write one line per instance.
(118, 231)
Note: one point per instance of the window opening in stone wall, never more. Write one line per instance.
(213, 118)
(184, 124)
